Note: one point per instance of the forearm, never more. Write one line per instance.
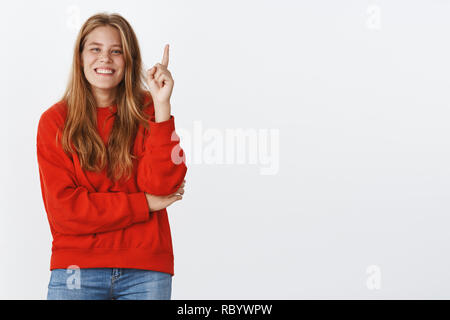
(162, 111)
(161, 168)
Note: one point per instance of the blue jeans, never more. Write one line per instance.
(109, 284)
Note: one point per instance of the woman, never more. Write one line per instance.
(110, 164)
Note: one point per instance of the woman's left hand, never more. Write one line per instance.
(159, 80)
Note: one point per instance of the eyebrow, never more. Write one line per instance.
(100, 44)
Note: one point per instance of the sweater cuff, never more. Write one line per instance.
(139, 207)
(161, 132)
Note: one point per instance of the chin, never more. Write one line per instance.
(106, 87)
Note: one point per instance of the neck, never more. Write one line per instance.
(104, 97)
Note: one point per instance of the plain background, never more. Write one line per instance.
(359, 93)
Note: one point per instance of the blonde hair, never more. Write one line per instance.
(81, 126)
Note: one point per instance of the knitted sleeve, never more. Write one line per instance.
(162, 166)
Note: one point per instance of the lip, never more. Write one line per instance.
(104, 74)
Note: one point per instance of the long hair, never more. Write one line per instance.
(80, 127)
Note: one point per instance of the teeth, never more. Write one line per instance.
(104, 71)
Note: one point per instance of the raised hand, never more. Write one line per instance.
(159, 80)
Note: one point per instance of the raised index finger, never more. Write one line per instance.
(165, 59)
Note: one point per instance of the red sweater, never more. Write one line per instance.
(96, 223)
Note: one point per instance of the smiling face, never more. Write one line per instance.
(102, 60)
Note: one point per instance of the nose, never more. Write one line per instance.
(104, 57)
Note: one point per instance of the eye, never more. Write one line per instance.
(95, 49)
(118, 51)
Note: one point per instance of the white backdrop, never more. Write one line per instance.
(337, 184)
